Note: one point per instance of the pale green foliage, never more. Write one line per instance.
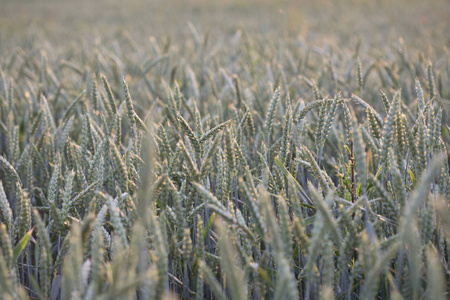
(221, 177)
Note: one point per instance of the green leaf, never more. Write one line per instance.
(36, 288)
(21, 245)
(308, 221)
(209, 225)
(411, 175)
(289, 175)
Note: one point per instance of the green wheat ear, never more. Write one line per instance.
(387, 133)
(271, 111)
(6, 248)
(5, 210)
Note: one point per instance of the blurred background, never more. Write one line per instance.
(373, 22)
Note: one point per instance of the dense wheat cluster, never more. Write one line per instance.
(242, 169)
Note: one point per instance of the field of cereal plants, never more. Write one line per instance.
(230, 150)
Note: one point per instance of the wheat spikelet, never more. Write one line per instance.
(5, 210)
(387, 133)
(6, 247)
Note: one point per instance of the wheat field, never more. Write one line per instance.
(224, 150)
